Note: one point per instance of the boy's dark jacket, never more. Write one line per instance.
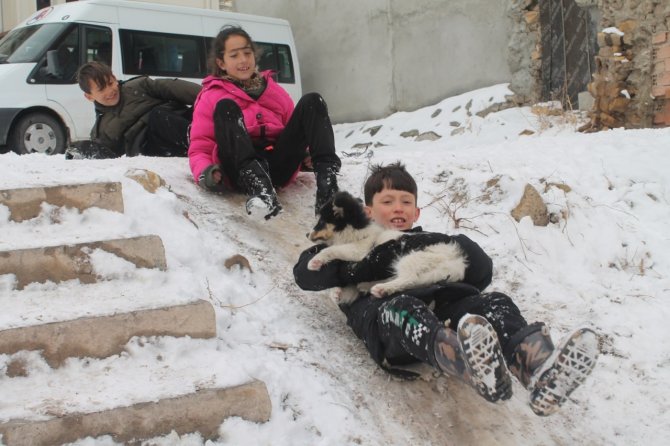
(121, 128)
(378, 265)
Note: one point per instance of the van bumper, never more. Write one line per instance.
(7, 116)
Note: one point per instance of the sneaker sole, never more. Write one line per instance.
(484, 359)
(565, 370)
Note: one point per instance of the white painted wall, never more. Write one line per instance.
(15, 11)
(371, 58)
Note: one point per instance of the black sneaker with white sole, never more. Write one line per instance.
(483, 358)
(565, 370)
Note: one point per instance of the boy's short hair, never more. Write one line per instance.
(97, 72)
(392, 176)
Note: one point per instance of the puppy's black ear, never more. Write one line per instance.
(340, 198)
(338, 212)
(351, 210)
(339, 204)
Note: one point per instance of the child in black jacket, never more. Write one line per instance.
(452, 326)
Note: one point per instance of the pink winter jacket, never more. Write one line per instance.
(272, 110)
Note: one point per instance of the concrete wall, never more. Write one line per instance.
(369, 59)
(14, 11)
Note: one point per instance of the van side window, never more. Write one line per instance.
(98, 44)
(277, 58)
(161, 54)
(61, 60)
(80, 44)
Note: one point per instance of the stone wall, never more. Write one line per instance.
(644, 46)
(610, 88)
(661, 78)
(524, 55)
(631, 81)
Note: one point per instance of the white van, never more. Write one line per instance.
(41, 105)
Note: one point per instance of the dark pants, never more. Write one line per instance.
(309, 126)
(167, 132)
(402, 328)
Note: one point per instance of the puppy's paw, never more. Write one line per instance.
(365, 286)
(335, 294)
(344, 296)
(314, 264)
(378, 291)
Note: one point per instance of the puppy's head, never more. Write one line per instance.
(336, 214)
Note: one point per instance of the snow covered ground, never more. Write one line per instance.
(604, 261)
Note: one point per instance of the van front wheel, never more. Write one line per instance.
(38, 133)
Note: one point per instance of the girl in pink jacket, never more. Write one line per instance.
(246, 134)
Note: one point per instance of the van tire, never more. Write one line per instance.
(37, 133)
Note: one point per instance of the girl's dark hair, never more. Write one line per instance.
(97, 72)
(219, 44)
(392, 176)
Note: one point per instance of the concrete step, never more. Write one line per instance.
(67, 262)
(26, 203)
(103, 336)
(203, 411)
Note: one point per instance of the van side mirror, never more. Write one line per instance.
(54, 67)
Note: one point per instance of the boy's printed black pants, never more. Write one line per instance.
(402, 328)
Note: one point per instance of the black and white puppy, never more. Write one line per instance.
(351, 235)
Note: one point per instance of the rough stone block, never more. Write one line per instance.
(203, 411)
(103, 336)
(149, 180)
(585, 101)
(531, 17)
(627, 26)
(67, 262)
(532, 205)
(606, 51)
(613, 89)
(662, 79)
(618, 105)
(662, 114)
(25, 203)
(658, 38)
(601, 38)
(663, 51)
(610, 121)
(660, 91)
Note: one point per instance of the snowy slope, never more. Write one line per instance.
(604, 261)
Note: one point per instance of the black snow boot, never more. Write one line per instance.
(255, 181)
(473, 354)
(326, 184)
(551, 373)
(88, 150)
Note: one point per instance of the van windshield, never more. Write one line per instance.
(28, 44)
